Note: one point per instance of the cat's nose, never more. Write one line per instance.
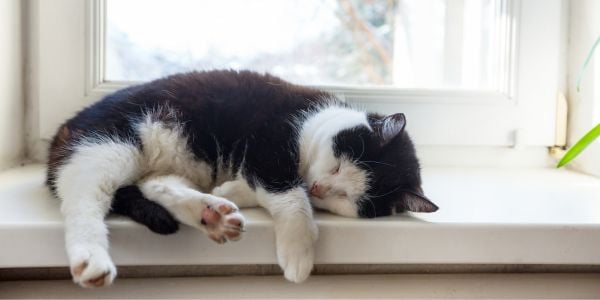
(316, 190)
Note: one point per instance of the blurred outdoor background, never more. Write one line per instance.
(397, 43)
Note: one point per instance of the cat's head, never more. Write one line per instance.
(369, 170)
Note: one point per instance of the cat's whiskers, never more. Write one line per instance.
(390, 192)
(362, 141)
(378, 162)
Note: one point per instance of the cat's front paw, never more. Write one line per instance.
(223, 221)
(92, 267)
(296, 262)
(295, 254)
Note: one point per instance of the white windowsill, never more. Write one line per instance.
(486, 216)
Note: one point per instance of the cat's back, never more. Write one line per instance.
(219, 95)
(236, 94)
(209, 100)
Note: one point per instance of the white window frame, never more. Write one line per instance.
(68, 75)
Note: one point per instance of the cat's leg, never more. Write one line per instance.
(295, 230)
(219, 218)
(129, 201)
(86, 184)
(238, 191)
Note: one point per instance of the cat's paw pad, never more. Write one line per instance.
(223, 222)
(295, 259)
(92, 268)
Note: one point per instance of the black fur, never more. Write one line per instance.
(129, 201)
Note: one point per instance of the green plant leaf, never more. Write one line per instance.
(585, 141)
(587, 61)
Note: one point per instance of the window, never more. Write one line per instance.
(480, 73)
(399, 43)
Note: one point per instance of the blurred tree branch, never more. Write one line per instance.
(382, 52)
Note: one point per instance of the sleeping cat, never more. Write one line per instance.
(193, 148)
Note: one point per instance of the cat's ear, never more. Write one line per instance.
(416, 202)
(390, 127)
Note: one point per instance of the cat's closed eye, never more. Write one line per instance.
(342, 194)
(336, 170)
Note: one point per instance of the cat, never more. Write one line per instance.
(193, 148)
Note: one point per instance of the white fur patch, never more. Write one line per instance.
(166, 152)
(237, 191)
(86, 184)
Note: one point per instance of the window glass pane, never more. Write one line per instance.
(397, 43)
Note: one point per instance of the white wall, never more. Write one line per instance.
(11, 84)
(584, 106)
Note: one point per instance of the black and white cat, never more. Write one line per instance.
(194, 147)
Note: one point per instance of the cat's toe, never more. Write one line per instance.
(223, 222)
(297, 263)
(234, 226)
(92, 268)
(210, 217)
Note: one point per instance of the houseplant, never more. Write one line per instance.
(589, 137)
